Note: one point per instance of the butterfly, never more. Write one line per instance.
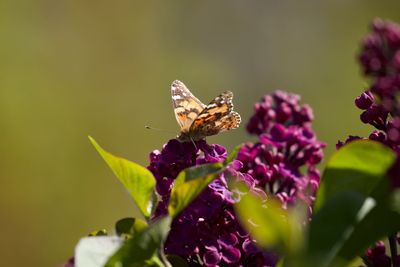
(197, 120)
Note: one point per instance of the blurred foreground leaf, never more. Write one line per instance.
(141, 250)
(267, 222)
(358, 166)
(136, 179)
(355, 205)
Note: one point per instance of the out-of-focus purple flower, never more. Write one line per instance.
(380, 49)
(286, 146)
(206, 232)
(376, 256)
(379, 58)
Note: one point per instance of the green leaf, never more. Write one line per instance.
(267, 222)
(184, 192)
(380, 222)
(142, 249)
(334, 224)
(195, 172)
(192, 181)
(346, 226)
(129, 227)
(354, 198)
(232, 156)
(358, 166)
(136, 179)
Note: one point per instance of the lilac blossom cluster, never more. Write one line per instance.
(380, 61)
(207, 232)
(286, 147)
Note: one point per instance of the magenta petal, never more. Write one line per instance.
(228, 240)
(231, 255)
(249, 247)
(211, 257)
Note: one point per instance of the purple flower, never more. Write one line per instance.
(206, 232)
(285, 147)
(380, 61)
(380, 58)
(282, 108)
(365, 100)
(376, 256)
(380, 47)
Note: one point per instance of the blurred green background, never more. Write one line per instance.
(73, 68)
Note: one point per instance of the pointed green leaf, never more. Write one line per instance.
(142, 249)
(136, 179)
(358, 166)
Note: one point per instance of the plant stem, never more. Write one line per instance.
(163, 257)
(393, 249)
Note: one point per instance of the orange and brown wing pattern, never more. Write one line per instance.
(186, 106)
(216, 117)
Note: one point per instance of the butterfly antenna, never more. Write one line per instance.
(157, 129)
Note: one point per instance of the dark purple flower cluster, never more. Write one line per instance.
(380, 61)
(280, 108)
(376, 256)
(207, 232)
(286, 147)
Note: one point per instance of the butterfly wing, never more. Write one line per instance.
(186, 106)
(216, 117)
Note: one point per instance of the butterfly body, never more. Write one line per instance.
(197, 120)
